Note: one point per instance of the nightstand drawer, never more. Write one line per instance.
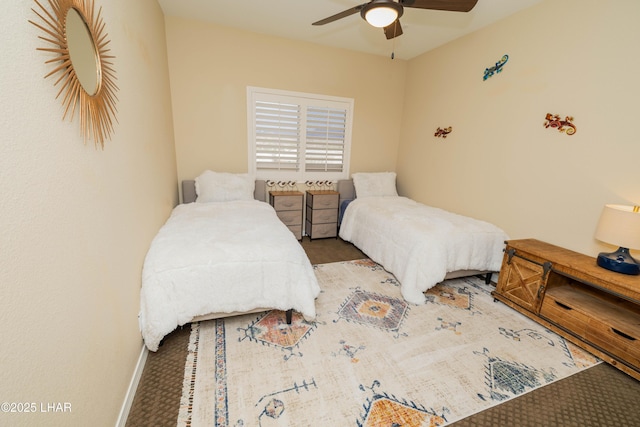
(322, 216)
(323, 201)
(296, 230)
(288, 207)
(287, 203)
(319, 231)
(290, 217)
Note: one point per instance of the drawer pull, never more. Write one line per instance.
(623, 335)
(566, 307)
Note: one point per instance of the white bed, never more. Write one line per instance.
(419, 244)
(214, 259)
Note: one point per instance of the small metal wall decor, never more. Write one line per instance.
(442, 133)
(554, 121)
(488, 72)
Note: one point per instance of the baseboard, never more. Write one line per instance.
(133, 386)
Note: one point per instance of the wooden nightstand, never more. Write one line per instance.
(567, 292)
(322, 214)
(288, 206)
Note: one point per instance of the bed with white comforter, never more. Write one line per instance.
(234, 256)
(420, 244)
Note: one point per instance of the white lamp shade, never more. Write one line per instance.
(619, 225)
(381, 16)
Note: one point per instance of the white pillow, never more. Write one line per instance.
(375, 184)
(224, 187)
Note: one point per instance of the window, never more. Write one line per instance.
(298, 136)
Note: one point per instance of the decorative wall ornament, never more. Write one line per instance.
(287, 185)
(442, 133)
(488, 72)
(81, 59)
(320, 185)
(281, 185)
(293, 185)
(554, 121)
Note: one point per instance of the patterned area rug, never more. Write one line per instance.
(370, 359)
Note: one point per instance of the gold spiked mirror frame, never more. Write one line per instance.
(95, 101)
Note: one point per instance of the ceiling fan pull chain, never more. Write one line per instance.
(393, 48)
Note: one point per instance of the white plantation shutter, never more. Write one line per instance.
(298, 136)
(325, 139)
(277, 136)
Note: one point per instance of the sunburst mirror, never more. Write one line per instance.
(78, 43)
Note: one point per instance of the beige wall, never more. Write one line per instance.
(211, 67)
(76, 221)
(573, 58)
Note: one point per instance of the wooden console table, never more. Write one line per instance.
(567, 292)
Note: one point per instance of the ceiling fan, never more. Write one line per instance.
(386, 13)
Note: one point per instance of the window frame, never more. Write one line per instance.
(303, 99)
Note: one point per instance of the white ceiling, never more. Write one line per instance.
(423, 29)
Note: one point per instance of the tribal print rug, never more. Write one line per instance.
(369, 358)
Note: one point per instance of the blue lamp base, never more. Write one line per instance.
(619, 261)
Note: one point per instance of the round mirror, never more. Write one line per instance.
(84, 65)
(82, 51)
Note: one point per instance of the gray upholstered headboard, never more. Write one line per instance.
(189, 191)
(347, 194)
(346, 189)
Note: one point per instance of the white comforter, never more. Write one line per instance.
(420, 244)
(222, 258)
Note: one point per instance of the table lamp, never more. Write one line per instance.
(619, 225)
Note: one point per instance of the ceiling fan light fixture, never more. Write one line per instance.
(381, 13)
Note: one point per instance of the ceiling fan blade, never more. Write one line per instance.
(340, 15)
(393, 30)
(448, 5)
